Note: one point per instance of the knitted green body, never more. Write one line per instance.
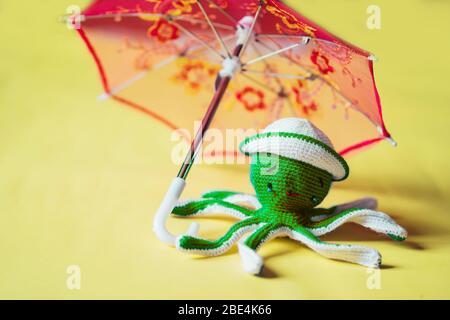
(286, 185)
(287, 193)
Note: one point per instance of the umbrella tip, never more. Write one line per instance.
(392, 141)
(104, 96)
(386, 135)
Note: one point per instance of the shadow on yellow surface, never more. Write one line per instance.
(80, 179)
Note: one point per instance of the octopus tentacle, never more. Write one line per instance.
(351, 253)
(374, 220)
(233, 197)
(251, 261)
(197, 207)
(261, 235)
(364, 203)
(219, 246)
(320, 214)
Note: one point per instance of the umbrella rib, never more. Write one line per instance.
(208, 20)
(261, 84)
(314, 75)
(273, 74)
(277, 80)
(249, 33)
(280, 75)
(136, 77)
(195, 37)
(271, 54)
(159, 15)
(122, 86)
(115, 15)
(189, 19)
(226, 14)
(140, 75)
(268, 35)
(268, 66)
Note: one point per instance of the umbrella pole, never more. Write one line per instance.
(204, 126)
(222, 86)
(176, 188)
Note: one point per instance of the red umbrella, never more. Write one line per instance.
(177, 60)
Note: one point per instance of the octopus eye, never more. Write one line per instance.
(269, 187)
(321, 182)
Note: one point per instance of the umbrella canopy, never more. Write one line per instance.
(162, 57)
(178, 60)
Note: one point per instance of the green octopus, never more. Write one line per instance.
(289, 185)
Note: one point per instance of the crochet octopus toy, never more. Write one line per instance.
(293, 165)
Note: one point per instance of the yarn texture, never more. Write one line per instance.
(293, 166)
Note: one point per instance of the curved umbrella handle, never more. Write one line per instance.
(165, 209)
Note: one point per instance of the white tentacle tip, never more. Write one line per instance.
(252, 263)
(400, 234)
(404, 233)
(368, 203)
(373, 260)
(372, 203)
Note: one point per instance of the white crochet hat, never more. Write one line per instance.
(298, 139)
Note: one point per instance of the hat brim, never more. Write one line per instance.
(298, 147)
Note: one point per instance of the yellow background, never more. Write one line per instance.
(81, 179)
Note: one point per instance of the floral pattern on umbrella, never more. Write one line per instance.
(141, 47)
